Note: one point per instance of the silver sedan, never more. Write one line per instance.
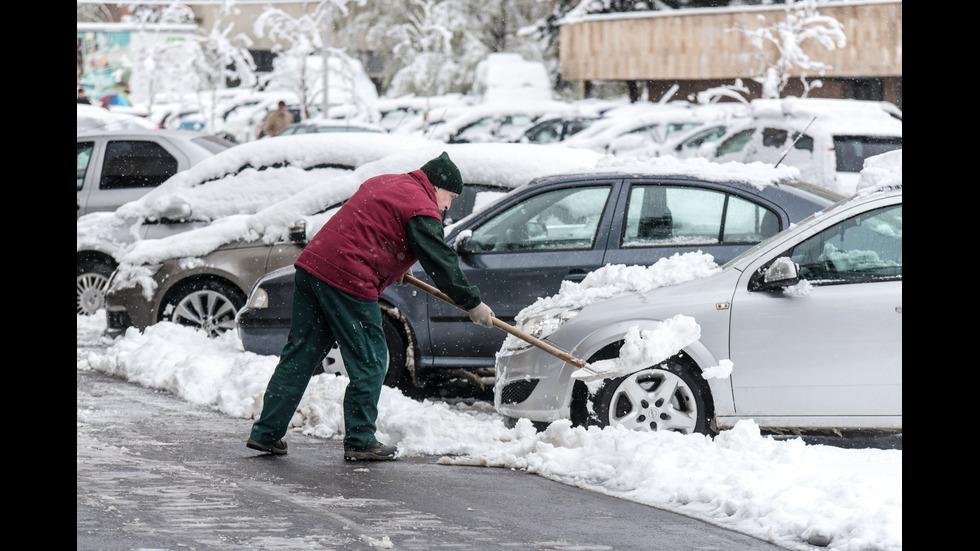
(815, 342)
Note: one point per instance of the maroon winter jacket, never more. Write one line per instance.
(363, 248)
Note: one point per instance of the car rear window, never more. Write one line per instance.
(851, 151)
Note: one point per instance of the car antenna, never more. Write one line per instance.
(798, 136)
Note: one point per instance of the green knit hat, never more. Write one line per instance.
(443, 173)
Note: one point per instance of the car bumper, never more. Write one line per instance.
(265, 336)
(128, 307)
(532, 384)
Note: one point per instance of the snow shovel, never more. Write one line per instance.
(560, 354)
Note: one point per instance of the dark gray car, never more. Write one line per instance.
(551, 230)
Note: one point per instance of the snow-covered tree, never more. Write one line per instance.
(202, 62)
(736, 91)
(299, 39)
(802, 24)
(217, 57)
(158, 65)
(424, 50)
(92, 12)
(437, 44)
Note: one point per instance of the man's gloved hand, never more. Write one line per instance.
(481, 315)
(401, 278)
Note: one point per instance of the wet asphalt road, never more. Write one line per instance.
(157, 473)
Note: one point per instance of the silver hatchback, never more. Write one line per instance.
(814, 355)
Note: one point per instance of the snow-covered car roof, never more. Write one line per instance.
(505, 165)
(96, 118)
(241, 180)
(469, 115)
(212, 192)
(622, 120)
(881, 171)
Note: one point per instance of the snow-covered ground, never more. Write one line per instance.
(794, 494)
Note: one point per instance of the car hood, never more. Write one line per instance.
(697, 298)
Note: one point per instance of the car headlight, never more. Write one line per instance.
(538, 326)
(129, 275)
(547, 322)
(258, 299)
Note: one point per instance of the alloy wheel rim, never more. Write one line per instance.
(90, 293)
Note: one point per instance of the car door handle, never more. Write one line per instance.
(575, 275)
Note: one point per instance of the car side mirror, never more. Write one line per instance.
(297, 232)
(462, 243)
(782, 273)
(176, 211)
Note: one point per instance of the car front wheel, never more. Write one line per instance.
(670, 396)
(205, 304)
(91, 277)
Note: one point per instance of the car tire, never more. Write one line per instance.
(204, 304)
(670, 396)
(395, 366)
(91, 277)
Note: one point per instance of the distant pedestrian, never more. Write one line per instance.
(82, 98)
(277, 120)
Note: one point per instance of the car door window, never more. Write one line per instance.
(576, 126)
(665, 215)
(861, 248)
(479, 131)
(774, 137)
(136, 164)
(83, 155)
(545, 132)
(748, 222)
(473, 197)
(735, 143)
(559, 219)
(701, 138)
(511, 127)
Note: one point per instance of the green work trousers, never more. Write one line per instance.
(323, 315)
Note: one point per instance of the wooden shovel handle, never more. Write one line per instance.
(558, 353)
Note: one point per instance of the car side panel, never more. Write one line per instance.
(508, 283)
(816, 365)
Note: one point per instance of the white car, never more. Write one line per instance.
(640, 130)
(808, 324)
(118, 166)
(827, 139)
(497, 122)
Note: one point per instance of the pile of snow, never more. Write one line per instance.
(784, 491)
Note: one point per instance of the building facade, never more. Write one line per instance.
(701, 48)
